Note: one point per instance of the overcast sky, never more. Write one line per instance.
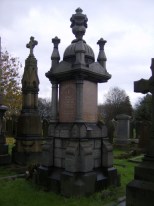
(127, 25)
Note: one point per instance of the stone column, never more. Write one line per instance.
(79, 100)
(54, 108)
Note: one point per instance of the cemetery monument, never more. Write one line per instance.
(78, 159)
(122, 131)
(28, 146)
(140, 191)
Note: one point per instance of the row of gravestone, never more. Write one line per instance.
(124, 130)
(121, 131)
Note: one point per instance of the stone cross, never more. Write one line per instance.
(144, 86)
(31, 44)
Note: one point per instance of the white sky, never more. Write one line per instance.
(127, 25)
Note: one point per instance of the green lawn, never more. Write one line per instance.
(21, 192)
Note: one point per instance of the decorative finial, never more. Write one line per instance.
(101, 56)
(55, 42)
(101, 43)
(79, 24)
(55, 57)
(31, 44)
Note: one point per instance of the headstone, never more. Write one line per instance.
(123, 130)
(78, 159)
(140, 191)
(28, 146)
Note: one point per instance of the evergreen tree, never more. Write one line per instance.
(143, 108)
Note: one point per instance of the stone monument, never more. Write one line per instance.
(122, 131)
(140, 191)
(78, 158)
(28, 146)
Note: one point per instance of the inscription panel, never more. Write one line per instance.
(67, 101)
(90, 101)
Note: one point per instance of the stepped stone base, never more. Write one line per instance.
(75, 184)
(140, 191)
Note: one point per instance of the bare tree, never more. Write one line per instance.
(116, 102)
(44, 107)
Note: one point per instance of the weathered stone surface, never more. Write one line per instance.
(77, 185)
(58, 143)
(90, 104)
(140, 193)
(107, 155)
(47, 154)
(67, 101)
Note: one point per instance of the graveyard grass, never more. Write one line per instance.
(21, 192)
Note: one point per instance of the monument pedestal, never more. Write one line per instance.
(77, 166)
(140, 191)
(28, 145)
(77, 184)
